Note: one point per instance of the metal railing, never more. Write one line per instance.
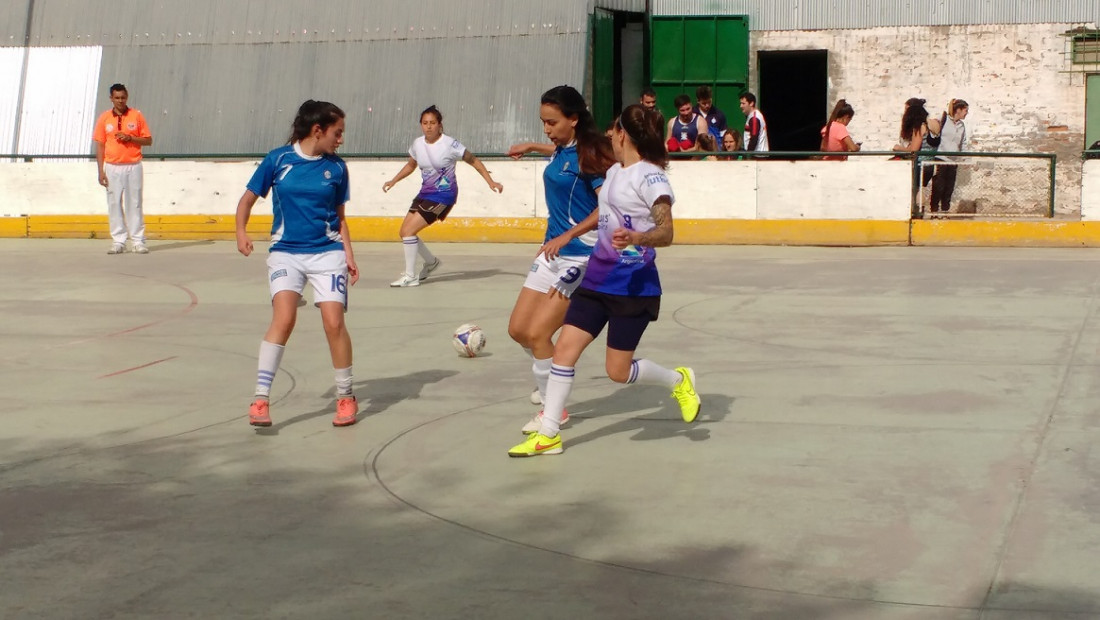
(918, 159)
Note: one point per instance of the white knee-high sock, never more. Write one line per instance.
(425, 254)
(343, 382)
(541, 370)
(410, 244)
(645, 371)
(271, 355)
(558, 387)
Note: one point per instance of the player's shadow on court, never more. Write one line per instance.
(375, 396)
(664, 423)
(164, 247)
(458, 276)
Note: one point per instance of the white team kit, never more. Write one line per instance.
(326, 272)
(564, 274)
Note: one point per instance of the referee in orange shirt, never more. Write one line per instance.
(119, 135)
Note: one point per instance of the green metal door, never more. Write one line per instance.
(603, 67)
(691, 51)
(1092, 110)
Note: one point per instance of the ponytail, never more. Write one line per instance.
(310, 113)
(840, 110)
(645, 129)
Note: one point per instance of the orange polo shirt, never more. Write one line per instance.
(132, 123)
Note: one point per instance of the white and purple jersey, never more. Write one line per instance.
(306, 192)
(626, 201)
(437, 168)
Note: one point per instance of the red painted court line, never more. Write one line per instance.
(194, 301)
(121, 372)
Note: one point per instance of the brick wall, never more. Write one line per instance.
(1015, 78)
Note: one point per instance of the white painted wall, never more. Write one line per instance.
(1024, 95)
(1090, 190)
(867, 188)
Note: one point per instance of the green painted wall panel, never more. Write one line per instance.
(603, 67)
(700, 47)
(727, 98)
(733, 51)
(667, 50)
(687, 52)
(1092, 110)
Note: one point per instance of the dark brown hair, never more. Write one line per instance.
(644, 129)
(312, 113)
(840, 110)
(434, 111)
(593, 148)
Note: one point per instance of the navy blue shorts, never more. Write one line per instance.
(626, 317)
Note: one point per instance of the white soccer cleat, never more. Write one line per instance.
(536, 398)
(405, 281)
(536, 423)
(429, 268)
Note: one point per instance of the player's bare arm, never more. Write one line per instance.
(661, 234)
(472, 159)
(405, 171)
(244, 210)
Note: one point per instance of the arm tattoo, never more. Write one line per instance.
(661, 234)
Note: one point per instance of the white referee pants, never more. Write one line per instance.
(124, 181)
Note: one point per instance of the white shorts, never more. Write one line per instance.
(327, 272)
(564, 273)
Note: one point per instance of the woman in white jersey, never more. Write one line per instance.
(621, 288)
(310, 242)
(580, 156)
(436, 154)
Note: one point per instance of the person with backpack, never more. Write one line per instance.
(952, 140)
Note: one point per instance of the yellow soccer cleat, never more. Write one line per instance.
(537, 444)
(684, 393)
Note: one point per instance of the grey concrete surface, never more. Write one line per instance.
(896, 433)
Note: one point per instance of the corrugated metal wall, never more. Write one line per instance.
(843, 14)
(630, 6)
(216, 76)
(227, 77)
(59, 102)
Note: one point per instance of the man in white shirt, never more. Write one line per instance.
(756, 130)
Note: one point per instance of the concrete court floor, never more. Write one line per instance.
(894, 433)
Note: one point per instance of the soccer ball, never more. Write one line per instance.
(468, 340)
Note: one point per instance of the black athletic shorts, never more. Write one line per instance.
(430, 211)
(626, 317)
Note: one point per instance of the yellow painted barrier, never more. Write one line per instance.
(1031, 233)
(13, 226)
(1035, 233)
(791, 232)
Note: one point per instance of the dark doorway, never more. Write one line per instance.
(618, 62)
(793, 98)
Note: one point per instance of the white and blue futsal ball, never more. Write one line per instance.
(468, 340)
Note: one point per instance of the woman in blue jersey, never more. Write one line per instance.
(310, 242)
(621, 288)
(436, 154)
(580, 156)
